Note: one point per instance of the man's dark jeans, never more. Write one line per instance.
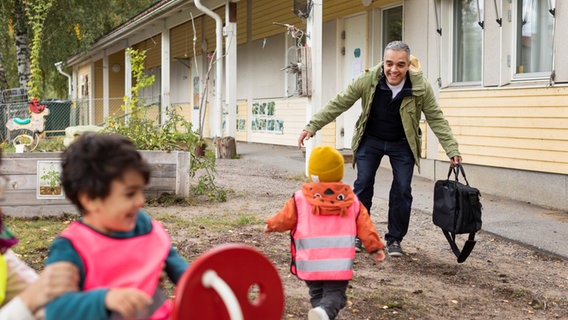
(368, 157)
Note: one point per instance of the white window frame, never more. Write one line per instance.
(382, 13)
(452, 44)
(532, 76)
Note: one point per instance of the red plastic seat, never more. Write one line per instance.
(251, 278)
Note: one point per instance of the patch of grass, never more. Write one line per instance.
(248, 220)
(35, 236)
(167, 199)
(211, 223)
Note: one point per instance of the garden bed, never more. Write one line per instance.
(23, 197)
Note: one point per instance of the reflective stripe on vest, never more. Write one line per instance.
(123, 262)
(323, 246)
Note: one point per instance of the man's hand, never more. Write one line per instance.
(305, 135)
(129, 302)
(55, 280)
(455, 160)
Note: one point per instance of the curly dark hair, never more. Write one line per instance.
(93, 161)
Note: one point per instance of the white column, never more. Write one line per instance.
(127, 77)
(165, 90)
(231, 67)
(91, 86)
(106, 86)
(314, 41)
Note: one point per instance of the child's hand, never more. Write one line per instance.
(266, 230)
(379, 256)
(163, 276)
(129, 302)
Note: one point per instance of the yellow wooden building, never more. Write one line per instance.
(496, 67)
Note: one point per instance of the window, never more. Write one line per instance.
(467, 44)
(152, 94)
(535, 25)
(392, 25)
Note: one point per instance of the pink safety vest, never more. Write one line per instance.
(119, 263)
(323, 246)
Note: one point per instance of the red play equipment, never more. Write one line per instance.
(229, 282)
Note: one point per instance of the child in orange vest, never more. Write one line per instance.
(119, 250)
(324, 217)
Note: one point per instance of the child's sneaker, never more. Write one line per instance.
(318, 313)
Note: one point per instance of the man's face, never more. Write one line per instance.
(395, 66)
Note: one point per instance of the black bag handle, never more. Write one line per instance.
(451, 237)
(456, 170)
(467, 247)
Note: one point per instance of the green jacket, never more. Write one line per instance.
(422, 100)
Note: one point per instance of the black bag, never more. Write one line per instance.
(457, 210)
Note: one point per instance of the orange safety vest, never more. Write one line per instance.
(124, 262)
(323, 246)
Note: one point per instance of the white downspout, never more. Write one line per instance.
(217, 112)
(69, 83)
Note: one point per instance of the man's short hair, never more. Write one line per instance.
(397, 45)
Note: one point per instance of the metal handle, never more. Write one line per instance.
(210, 279)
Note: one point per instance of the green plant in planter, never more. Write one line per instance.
(52, 178)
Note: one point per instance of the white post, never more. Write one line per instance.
(91, 87)
(314, 41)
(165, 90)
(127, 77)
(231, 66)
(106, 86)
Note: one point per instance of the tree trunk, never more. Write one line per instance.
(22, 44)
(3, 78)
(226, 147)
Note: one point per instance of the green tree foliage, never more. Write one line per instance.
(70, 27)
(36, 13)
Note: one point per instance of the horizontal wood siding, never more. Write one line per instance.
(242, 113)
(116, 79)
(523, 129)
(328, 135)
(242, 22)
(423, 126)
(333, 9)
(181, 44)
(210, 29)
(266, 12)
(153, 47)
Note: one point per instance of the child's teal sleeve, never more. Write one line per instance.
(175, 265)
(78, 306)
(74, 305)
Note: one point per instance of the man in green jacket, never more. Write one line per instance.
(393, 96)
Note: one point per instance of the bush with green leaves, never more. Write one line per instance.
(176, 133)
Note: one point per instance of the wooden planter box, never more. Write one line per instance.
(170, 173)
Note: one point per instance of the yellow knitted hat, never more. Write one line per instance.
(325, 165)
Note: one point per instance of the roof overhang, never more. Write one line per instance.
(164, 14)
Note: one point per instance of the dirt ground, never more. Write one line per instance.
(500, 280)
